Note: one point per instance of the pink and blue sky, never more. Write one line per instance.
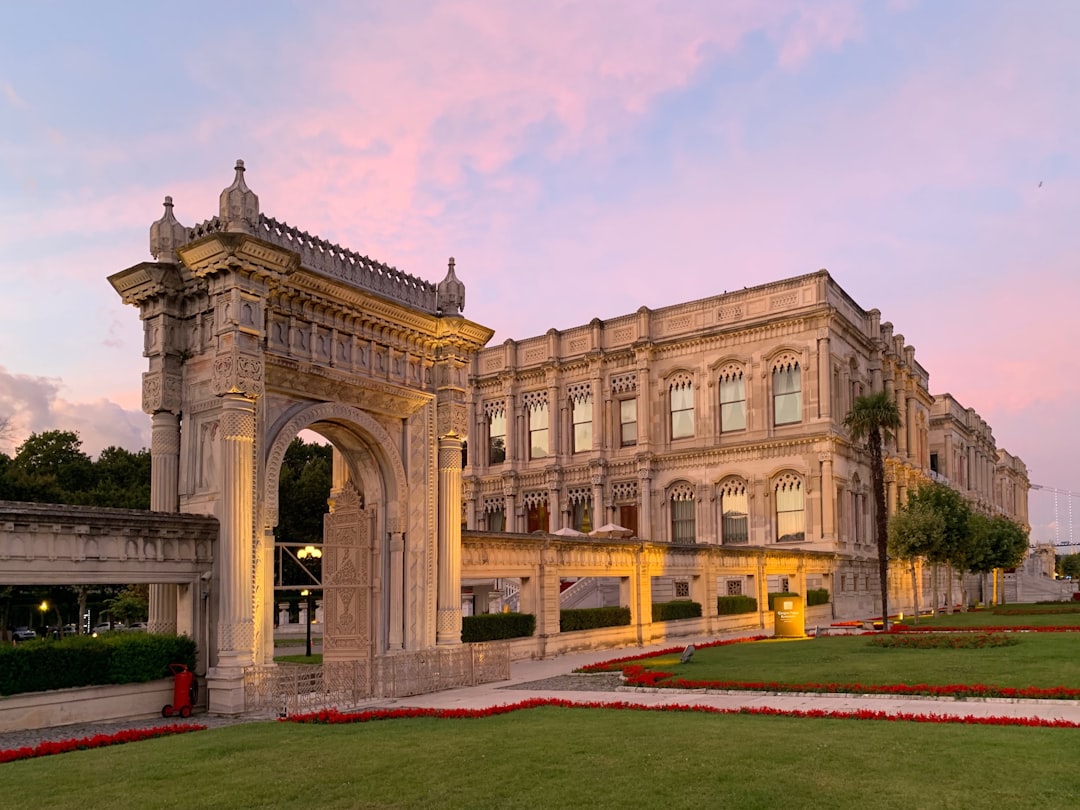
(578, 159)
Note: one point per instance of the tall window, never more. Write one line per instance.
(682, 409)
(581, 515)
(787, 392)
(538, 431)
(536, 516)
(627, 422)
(581, 415)
(734, 523)
(732, 401)
(496, 517)
(790, 516)
(497, 437)
(683, 524)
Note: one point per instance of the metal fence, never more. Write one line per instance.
(285, 689)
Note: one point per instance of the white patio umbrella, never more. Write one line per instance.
(611, 531)
(566, 531)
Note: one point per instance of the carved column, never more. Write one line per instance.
(509, 486)
(645, 526)
(236, 629)
(901, 434)
(596, 473)
(396, 640)
(449, 616)
(554, 504)
(828, 496)
(164, 497)
(824, 378)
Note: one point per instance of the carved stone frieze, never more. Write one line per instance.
(453, 419)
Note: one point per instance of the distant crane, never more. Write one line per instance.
(1069, 496)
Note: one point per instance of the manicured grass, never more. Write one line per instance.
(296, 642)
(555, 757)
(1040, 659)
(316, 658)
(1004, 616)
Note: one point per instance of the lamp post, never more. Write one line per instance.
(44, 608)
(309, 552)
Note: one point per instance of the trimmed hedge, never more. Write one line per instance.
(731, 605)
(591, 618)
(680, 609)
(495, 626)
(774, 596)
(37, 666)
(817, 596)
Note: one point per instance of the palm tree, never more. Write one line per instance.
(874, 416)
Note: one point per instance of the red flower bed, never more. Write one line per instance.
(333, 716)
(97, 741)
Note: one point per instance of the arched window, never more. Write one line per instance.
(683, 523)
(732, 400)
(580, 499)
(581, 416)
(787, 391)
(536, 405)
(495, 514)
(681, 397)
(734, 513)
(536, 511)
(790, 514)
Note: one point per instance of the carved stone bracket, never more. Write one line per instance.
(452, 419)
(236, 373)
(160, 392)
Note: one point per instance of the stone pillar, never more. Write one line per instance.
(164, 497)
(645, 523)
(890, 498)
(824, 379)
(828, 496)
(449, 611)
(971, 467)
(396, 640)
(901, 434)
(235, 629)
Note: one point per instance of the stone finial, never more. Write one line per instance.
(166, 235)
(450, 293)
(238, 206)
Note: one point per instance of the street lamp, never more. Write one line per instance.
(314, 553)
(306, 593)
(43, 607)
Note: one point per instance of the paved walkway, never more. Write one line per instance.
(554, 678)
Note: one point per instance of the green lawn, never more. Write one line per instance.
(1007, 616)
(1039, 659)
(555, 757)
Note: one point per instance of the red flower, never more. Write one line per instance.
(97, 741)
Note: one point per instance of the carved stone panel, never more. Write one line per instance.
(347, 579)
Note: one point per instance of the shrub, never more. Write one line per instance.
(817, 596)
(731, 605)
(495, 626)
(680, 609)
(590, 618)
(37, 666)
(774, 596)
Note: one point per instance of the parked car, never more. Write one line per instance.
(23, 634)
(104, 628)
(137, 627)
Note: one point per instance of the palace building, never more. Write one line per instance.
(720, 421)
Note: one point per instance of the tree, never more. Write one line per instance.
(122, 479)
(873, 417)
(50, 467)
(914, 532)
(1001, 543)
(956, 514)
(1068, 565)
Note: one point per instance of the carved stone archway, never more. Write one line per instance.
(255, 330)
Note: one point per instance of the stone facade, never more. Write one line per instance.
(720, 421)
(255, 331)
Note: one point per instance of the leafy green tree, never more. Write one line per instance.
(56, 456)
(914, 532)
(954, 542)
(122, 479)
(1068, 565)
(874, 417)
(130, 605)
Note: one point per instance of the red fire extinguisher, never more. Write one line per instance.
(185, 692)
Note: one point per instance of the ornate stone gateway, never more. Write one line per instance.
(256, 331)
